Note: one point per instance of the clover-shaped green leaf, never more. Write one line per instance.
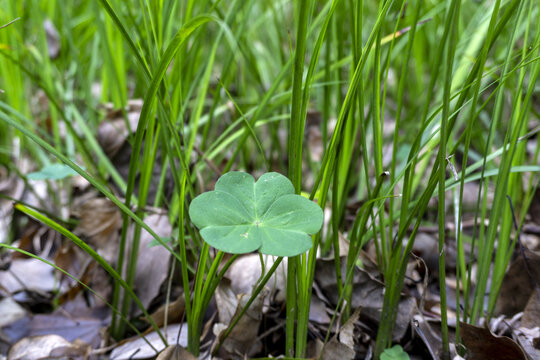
(52, 172)
(396, 352)
(242, 215)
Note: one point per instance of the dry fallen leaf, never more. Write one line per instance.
(481, 344)
(226, 301)
(100, 222)
(246, 271)
(335, 350)
(528, 335)
(517, 285)
(175, 352)
(531, 314)
(242, 340)
(45, 347)
(429, 337)
(172, 310)
(342, 346)
(71, 259)
(114, 137)
(113, 132)
(153, 262)
(11, 311)
(29, 274)
(83, 327)
(529, 339)
(137, 348)
(317, 311)
(346, 334)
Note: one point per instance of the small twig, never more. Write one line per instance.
(451, 227)
(269, 331)
(209, 162)
(530, 133)
(9, 23)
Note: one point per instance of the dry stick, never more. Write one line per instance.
(9, 23)
(209, 162)
(452, 227)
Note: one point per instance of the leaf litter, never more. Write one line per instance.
(78, 327)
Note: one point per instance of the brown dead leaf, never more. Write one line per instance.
(242, 340)
(84, 327)
(529, 339)
(346, 334)
(114, 131)
(71, 259)
(517, 285)
(153, 262)
(429, 337)
(531, 314)
(172, 312)
(175, 352)
(138, 348)
(113, 136)
(481, 344)
(45, 347)
(335, 350)
(314, 348)
(317, 311)
(226, 301)
(426, 247)
(100, 222)
(246, 271)
(29, 274)
(11, 311)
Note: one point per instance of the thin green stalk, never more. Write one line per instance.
(473, 116)
(295, 140)
(400, 104)
(454, 12)
(499, 202)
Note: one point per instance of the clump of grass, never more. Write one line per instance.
(400, 87)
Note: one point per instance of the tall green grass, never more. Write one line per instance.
(400, 87)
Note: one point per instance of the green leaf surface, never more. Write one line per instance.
(52, 172)
(396, 352)
(242, 215)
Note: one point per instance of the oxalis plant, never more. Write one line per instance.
(243, 215)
